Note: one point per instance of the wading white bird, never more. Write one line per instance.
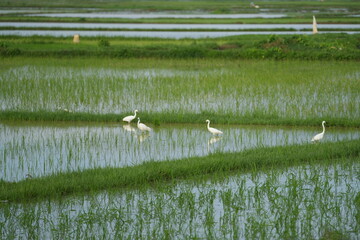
(254, 5)
(319, 136)
(142, 126)
(213, 130)
(130, 118)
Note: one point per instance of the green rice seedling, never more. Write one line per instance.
(42, 149)
(154, 172)
(275, 203)
(291, 92)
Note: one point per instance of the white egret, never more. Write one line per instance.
(252, 4)
(319, 136)
(213, 130)
(142, 126)
(130, 118)
(64, 109)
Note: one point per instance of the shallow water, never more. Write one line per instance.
(239, 91)
(150, 34)
(293, 29)
(165, 26)
(31, 10)
(12, 11)
(43, 149)
(132, 15)
(304, 202)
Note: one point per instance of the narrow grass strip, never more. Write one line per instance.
(153, 172)
(157, 118)
(334, 46)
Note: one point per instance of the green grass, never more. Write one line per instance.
(170, 117)
(324, 10)
(322, 197)
(304, 47)
(213, 6)
(159, 172)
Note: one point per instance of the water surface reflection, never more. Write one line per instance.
(132, 15)
(169, 26)
(44, 149)
(278, 200)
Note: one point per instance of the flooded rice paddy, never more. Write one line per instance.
(133, 15)
(316, 89)
(172, 31)
(164, 26)
(304, 202)
(153, 34)
(43, 149)
(98, 13)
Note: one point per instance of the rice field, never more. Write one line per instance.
(287, 90)
(303, 202)
(70, 169)
(289, 189)
(43, 149)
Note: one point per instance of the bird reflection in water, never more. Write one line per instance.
(213, 140)
(143, 136)
(129, 128)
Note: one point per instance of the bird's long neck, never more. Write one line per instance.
(208, 124)
(138, 121)
(135, 114)
(323, 128)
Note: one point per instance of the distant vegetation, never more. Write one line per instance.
(329, 11)
(213, 6)
(280, 47)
